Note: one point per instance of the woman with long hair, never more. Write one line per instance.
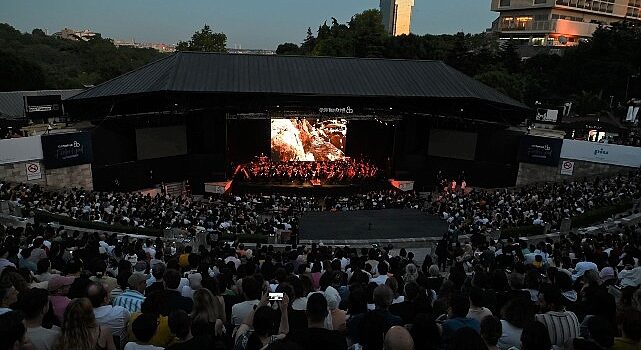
(80, 331)
(206, 314)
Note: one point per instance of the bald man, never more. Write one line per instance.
(398, 338)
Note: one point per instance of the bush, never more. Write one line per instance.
(46, 217)
(522, 231)
(599, 214)
(244, 238)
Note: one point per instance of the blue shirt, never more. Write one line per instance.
(130, 300)
(452, 325)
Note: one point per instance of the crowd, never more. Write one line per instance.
(338, 171)
(61, 289)
(237, 214)
(539, 204)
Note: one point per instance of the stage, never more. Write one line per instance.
(370, 225)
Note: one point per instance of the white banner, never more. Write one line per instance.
(20, 150)
(601, 153)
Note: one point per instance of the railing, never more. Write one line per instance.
(557, 26)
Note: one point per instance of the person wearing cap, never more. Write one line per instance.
(115, 317)
(59, 289)
(132, 298)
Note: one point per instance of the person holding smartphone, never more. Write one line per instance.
(255, 331)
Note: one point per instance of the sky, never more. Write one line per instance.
(256, 24)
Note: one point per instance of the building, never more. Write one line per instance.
(397, 16)
(559, 22)
(160, 47)
(76, 35)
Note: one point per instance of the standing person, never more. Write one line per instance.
(80, 331)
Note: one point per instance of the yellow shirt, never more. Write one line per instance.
(183, 260)
(163, 336)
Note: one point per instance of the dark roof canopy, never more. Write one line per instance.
(196, 72)
(12, 103)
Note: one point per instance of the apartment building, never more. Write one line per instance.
(559, 22)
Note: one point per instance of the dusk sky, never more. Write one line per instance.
(251, 23)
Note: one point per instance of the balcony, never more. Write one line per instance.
(555, 26)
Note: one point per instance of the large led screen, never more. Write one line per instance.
(308, 139)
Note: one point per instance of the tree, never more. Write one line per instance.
(288, 49)
(19, 74)
(205, 40)
(367, 33)
(309, 43)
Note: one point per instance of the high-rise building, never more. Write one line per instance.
(559, 22)
(397, 16)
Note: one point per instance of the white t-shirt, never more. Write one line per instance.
(511, 336)
(240, 311)
(42, 338)
(135, 346)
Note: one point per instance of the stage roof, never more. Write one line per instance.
(12, 103)
(198, 72)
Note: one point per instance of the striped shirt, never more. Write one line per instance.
(562, 326)
(130, 300)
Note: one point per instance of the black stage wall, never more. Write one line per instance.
(488, 161)
(116, 164)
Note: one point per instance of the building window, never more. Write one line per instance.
(539, 2)
(504, 3)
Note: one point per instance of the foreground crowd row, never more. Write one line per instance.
(66, 290)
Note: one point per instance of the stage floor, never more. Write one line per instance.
(355, 225)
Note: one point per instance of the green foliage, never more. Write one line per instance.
(599, 66)
(288, 49)
(46, 217)
(599, 214)
(522, 231)
(37, 61)
(205, 40)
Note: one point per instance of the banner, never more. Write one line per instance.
(20, 150)
(603, 153)
(63, 150)
(540, 150)
(43, 107)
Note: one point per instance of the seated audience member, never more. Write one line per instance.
(630, 327)
(174, 299)
(477, 310)
(456, 318)
(398, 338)
(535, 336)
(80, 331)
(132, 298)
(8, 297)
(35, 306)
(257, 329)
(114, 317)
(59, 288)
(157, 272)
(12, 332)
(316, 337)
(251, 291)
(515, 315)
(563, 326)
(144, 328)
(155, 304)
(180, 325)
(491, 331)
(466, 338)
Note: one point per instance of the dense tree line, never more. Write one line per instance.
(588, 74)
(30, 61)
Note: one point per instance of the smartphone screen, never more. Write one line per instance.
(275, 296)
